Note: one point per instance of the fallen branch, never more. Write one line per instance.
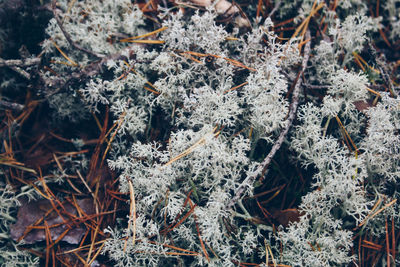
(263, 167)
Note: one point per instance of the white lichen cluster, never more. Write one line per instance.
(205, 117)
(10, 254)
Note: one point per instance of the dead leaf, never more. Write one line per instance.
(31, 212)
(284, 217)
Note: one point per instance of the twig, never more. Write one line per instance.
(316, 87)
(292, 113)
(19, 62)
(386, 78)
(21, 72)
(276, 7)
(67, 36)
(80, 75)
(10, 105)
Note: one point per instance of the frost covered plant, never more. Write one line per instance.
(213, 94)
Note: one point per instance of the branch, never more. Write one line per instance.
(292, 113)
(81, 75)
(276, 7)
(9, 105)
(68, 37)
(19, 62)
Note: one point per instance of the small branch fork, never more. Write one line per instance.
(262, 168)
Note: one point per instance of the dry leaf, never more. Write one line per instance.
(31, 212)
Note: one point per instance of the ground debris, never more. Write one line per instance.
(32, 212)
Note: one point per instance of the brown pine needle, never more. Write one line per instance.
(232, 61)
(197, 54)
(146, 41)
(182, 254)
(92, 244)
(65, 56)
(48, 241)
(283, 23)
(304, 25)
(60, 237)
(97, 254)
(80, 248)
(234, 88)
(121, 120)
(358, 62)
(17, 165)
(259, 7)
(181, 221)
(371, 245)
(393, 241)
(84, 182)
(199, 234)
(97, 121)
(39, 191)
(385, 39)
(373, 91)
(238, 64)
(387, 243)
(363, 63)
(346, 134)
(377, 212)
(174, 247)
(190, 149)
(151, 90)
(129, 39)
(131, 68)
(81, 259)
(272, 255)
(192, 58)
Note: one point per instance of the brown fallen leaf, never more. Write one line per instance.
(362, 106)
(31, 212)
(284, 217)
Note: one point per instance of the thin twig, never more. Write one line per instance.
(19, 62)
(386, 78)
(292, 113)
(276, 7)
(67, 36)
(10, 105)
(21, 72)
(80, 75)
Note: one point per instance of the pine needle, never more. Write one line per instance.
(65, 56)
(191, 149)
(130, 39)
